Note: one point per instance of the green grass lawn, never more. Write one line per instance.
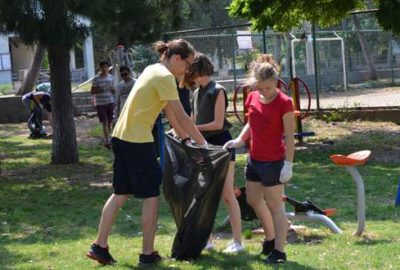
(49, 214)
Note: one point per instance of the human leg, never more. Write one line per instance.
(149, 224)
(108, 215)
(99, 249)
(273, 196)
(231, 202)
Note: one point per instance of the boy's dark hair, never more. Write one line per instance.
(122, 68)
(103, 63)
(201, 66)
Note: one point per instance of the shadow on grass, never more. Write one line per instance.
(8, 259)
(371, 242)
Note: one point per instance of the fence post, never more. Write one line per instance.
(391, 57)
(315, 65)
(233, 60)
(264, 42)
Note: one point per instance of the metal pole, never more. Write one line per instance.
(264, 42)
(315, 65)
(233, 61)
(391, 57)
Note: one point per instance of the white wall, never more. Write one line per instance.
(5, 75)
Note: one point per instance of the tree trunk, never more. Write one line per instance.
(365, 50)
(31, 77)
(65, 150)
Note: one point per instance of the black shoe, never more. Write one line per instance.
(267, 247)
(276, 257)
(151, 258)
(100, 254)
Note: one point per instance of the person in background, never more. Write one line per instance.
(269, 166)
(36, 102)
(136, 169)
(124, 87)
(103, 92)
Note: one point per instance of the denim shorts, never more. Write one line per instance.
(136, 169)
(266, 172)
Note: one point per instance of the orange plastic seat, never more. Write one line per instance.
(354, 159)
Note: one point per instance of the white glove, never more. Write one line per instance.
(236, 143)
(286, 172)
(205, 145)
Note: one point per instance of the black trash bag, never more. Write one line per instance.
(246, 211)
(193, 179)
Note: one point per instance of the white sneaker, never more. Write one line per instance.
(233, 247)
(209, 246)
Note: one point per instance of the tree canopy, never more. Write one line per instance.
(388, 15)
(130, 21)
(284, 15)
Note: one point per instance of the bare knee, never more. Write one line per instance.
(276, 208)
(119, 200)
(253, 202)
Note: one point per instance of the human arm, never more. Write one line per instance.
(219, 115)
(240, 141)
(288, 126)
(179, 119)
(95, 89)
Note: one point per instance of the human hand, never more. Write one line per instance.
(236, 143)
(286, 172)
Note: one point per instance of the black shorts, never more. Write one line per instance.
(221, 139)
(136, 169)
(105, 113)
(266, 172)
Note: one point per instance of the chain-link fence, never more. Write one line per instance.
(357, 64)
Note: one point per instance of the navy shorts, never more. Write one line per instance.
(221, 139)
(266, 172)
(105, 113)
(136, 169)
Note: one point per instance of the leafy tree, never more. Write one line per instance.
(284, 15)
(33, 72)
(56, 25)
(388, 15)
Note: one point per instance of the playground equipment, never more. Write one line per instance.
(293, 89)
(306, 210)
(350, 162)
(303, 211)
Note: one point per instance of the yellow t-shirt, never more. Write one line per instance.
(154, 87)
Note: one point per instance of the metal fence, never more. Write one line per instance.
(343, 77)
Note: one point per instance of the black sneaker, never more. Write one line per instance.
(151, 258)
(276, 257)
(100, 254)
(267, 247)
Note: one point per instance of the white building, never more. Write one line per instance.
(16, 57)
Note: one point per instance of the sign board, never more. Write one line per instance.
(244, 40)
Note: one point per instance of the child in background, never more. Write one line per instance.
(103, 92)
(269, 165)
(209, 114)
